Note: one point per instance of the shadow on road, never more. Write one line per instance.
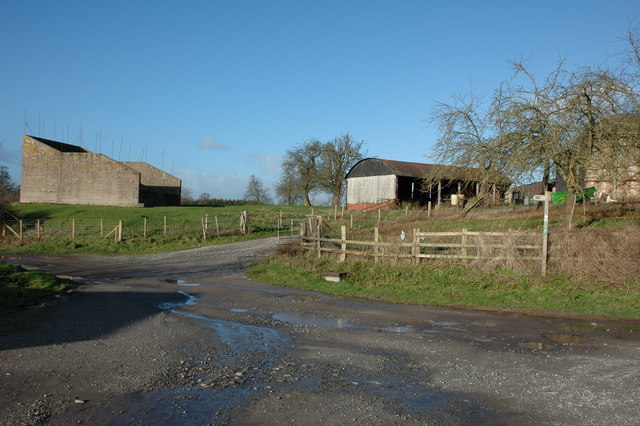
(83, 316)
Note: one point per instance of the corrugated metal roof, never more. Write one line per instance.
(380, 166)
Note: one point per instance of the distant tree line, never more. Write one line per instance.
(318, 167)
(569, 123)
(204, 199)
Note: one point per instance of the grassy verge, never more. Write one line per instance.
(451, 285)
(129, 246)
(20, 288)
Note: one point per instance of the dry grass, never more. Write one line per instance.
(610, 255)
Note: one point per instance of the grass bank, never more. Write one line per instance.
(449, 285)
(20, 288)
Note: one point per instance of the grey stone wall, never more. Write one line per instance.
(53, 172)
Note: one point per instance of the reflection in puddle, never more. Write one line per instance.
(313, 320)
(537, 346)
(238, 310)
(239, 337)
(397, 329)
(180, 282)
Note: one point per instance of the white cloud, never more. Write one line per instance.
(208, 143)
(227, 186)
(269, 163)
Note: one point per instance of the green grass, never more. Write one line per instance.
(449, 285)
(20, 288)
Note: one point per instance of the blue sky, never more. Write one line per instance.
(214, 91)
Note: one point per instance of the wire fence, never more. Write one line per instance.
(209, 226)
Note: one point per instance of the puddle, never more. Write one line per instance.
(180, 282)
(444, 323)
(537, 346)
(484, 323)
(241, 311)
(568, 339)
(237, 336)
(312, 320)
(397, 329)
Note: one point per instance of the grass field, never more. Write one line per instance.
(597, 270)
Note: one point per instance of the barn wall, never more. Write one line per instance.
(85, 178)
(371, 189)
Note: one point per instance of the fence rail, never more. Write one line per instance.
(463, 245)
(210, 226)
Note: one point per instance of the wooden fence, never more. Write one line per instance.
(464, 245)
(209, 226)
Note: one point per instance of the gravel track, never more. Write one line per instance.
(186, 338)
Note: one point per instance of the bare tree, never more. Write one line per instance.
(255, 192)
(287, 189)
(338, 155)
(303, 162)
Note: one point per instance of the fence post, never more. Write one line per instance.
(376, 239)
(101, 228)
(144, 228)
(20, 229)
(38, 228)
(119, 234)
(343, 245)
(318, 226)
(217, 227)
(379, 215)
(206, 226)
(414, 249)
(244, 222)
(73, 229)
(335, 212)
(545, 233)
(463, 241)
(429, 210)
(351, 227)
(164, 221)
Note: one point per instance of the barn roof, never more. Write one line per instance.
(379, 167)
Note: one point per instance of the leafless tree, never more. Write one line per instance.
(303, 163)
(338, 156)
(255, 192)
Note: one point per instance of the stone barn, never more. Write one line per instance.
(375, 182)
(60, 173)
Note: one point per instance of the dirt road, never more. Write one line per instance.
(186, 338)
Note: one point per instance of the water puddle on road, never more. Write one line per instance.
(237, 336)
(312, 320)
(239, 310)
(537, 346)
(180, 282)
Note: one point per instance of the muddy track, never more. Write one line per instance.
(186, 338)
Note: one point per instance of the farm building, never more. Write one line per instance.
(60, 173)
(375, 182)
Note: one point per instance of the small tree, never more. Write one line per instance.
(255, 192)
(303, 163)
(287, 189)
(338, 155)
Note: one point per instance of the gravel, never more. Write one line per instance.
(186, 338)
